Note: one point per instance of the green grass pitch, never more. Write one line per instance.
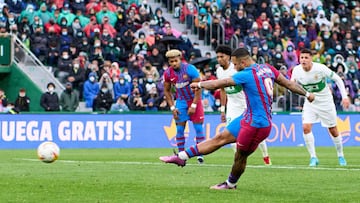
(137, 175)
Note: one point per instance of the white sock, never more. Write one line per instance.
(338, 145)
(233, 146)
(230, 184)
(310, 143)
(182, 155)
(263, 148)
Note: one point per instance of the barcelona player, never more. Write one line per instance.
(252, 127)
(233, 97)
(188, 105)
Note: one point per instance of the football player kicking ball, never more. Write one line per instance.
(312, 76)
(233, 97)
(250, 128)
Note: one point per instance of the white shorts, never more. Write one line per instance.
(314, 113)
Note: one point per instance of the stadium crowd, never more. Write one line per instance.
(111, 53)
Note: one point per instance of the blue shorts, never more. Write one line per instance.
(183, 106)
(234, 126)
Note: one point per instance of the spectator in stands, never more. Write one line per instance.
(105, 79)
(149, 69)
(3, 100)
(357, 104)
(28, 13)
(22, 102)
(156, 59)
(135, 85)
(91, 89)
(141, 45)
(290, 56)
(122, 89)
(208, 101)
(103, 100)
(278, 59)
(114, 70)
(159, 19)
(90, 28)
(208, 74)
(150, 80)
(53, 53)
(37, 23)
(134, 68)
(169, 30)
(195, 50)
(38, 42)
(151, 100)
(66, 14)
(50, 100)
(135, 102)
(65, 38)
(64, 66)
(112, 18)
(97, 54)
(11, 109)
(69, 98)
(121, 16)
(251, 40)
(73, 51)
(77, 77)
(119, 106)
(111, 52)
(217, 33)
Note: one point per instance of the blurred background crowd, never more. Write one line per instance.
(111, 53)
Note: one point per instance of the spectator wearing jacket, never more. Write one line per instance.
(50, 100)
(91, 89)
(122, 89)
(103, 100)
(69, 98)
(22, 102)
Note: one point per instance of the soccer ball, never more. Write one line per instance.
(48, 152)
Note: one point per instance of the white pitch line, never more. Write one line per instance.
(207, 165)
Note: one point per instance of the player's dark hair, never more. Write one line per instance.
(306, 51)
(223, 49)
(240, 53)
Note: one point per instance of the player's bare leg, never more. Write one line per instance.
(203, 148)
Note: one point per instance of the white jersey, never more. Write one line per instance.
(236, 102)
(314, 81)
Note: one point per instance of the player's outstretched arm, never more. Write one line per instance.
(213, 84)
(294, 87)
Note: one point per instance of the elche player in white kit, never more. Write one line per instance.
(232, 98)
(312, 76)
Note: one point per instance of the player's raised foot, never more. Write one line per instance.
(222, 186)
(342, 161)
(173, 159)
(267, 161)
(314, 162)
(200, 159)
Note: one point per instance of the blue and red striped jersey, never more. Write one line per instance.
(181, 80)
(257, 81)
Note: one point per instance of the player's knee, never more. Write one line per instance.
(224, 138)
(307, 129)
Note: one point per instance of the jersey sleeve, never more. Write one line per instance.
(240, 77)
(294, 73)
(192, 72)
